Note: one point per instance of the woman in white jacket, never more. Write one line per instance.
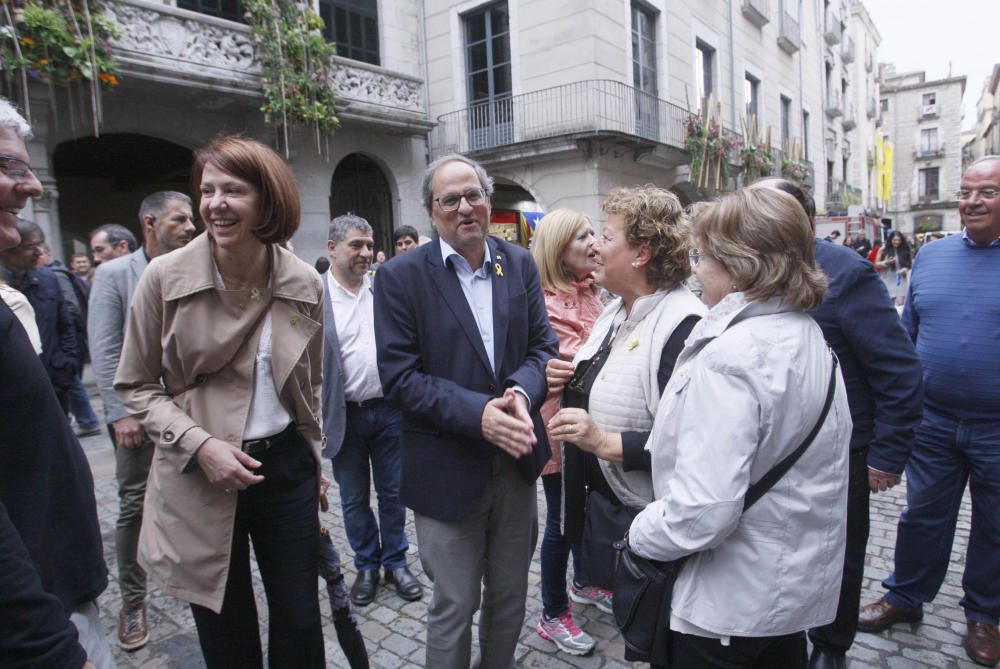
(746, 391)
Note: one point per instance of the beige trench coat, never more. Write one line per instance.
(180, 325)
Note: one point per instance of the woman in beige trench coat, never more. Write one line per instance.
(222, 363)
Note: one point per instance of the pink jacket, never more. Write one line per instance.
(571, 314)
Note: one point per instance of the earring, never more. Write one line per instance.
(635, 264)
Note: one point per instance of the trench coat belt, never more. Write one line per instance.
(252, 446)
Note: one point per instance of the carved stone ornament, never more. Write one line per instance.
(380, 88)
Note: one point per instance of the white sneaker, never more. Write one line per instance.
(565, 634)
(591, 594)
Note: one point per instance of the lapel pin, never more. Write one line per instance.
(632, 344)
(294, 319)
(499, 268)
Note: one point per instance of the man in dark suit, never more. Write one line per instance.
(885, 391)
(463, 339)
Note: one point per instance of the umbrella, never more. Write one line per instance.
(344, 622)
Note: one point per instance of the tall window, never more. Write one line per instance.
(643, 50)
(704, 63)
(226, 9)
(786, 118)
(751, 91)
(928, 140)
(805, 135)
(884, 104)
(487, 62)
(353, 26)
(929, 184)
(928, 99)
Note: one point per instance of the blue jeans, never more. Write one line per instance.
(947, 454)
(555, 552)
(79, 405)
(371, 449)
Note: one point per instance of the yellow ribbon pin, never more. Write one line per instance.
(632, 344)
(499, 269)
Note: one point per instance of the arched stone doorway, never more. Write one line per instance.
(360, 187)
(104, 180)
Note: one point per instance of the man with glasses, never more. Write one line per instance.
(55, 319)
(952, 314)
(51, 561)
(463, 338)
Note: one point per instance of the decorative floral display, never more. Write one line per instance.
(708, 148)
(59, 42)
(296, 66)
(757, 161)
(795, 170)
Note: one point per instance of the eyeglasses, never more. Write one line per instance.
(984, 193)
(452, 201)
(15, 169)
(32, 246)
(694, 255)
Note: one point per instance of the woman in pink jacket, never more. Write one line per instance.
(563, 248)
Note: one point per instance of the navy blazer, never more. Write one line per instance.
(881, 371)
(432, 364)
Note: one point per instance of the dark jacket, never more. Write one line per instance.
(55, 324)
(51, 559)
(878, 361)
(432, 363)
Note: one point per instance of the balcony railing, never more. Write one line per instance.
(165, 43)
(850, 120)
(929, 151)
(788, 33)
(833, 106)
(833, 30)
(840, 196)
(757, 12)
(591, 107)
(847, 49)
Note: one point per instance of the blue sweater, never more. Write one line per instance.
(880, 367)
(953, 315)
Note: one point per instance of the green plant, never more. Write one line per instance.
(296, 66)
(757, 161)
(708, 148)
(58, 42)
(795, 170)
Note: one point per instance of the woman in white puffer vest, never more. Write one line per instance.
(610, 403)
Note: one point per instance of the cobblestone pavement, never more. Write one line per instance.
(394, 628)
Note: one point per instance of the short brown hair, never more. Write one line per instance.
(260, 166)
(654, 217)
(762, 237)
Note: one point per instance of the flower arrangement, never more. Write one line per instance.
(58, 43)
(795, 170)
(296, 66)
(757, 161)
(708, 148)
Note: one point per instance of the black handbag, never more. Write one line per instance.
(604, 523)
(644, 588)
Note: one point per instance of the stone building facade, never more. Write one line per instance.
(187, 77)
(922, 119)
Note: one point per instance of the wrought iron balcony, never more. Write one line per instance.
(788, 33)
(833, 29)
(757, 12)
(929, 150)
(847, 49)
(833, 106)
(590, 108)
(850, 120)
(167, 44)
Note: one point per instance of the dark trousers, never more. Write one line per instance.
(555, 552)
(772, 652)
(837, 637)
(947, 454)
(372, 450)
(131, 469)
(281, 516)
(79, 405)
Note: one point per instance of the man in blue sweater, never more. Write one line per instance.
(953, 315)
(882, 376)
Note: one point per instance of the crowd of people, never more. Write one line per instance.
(713, 385)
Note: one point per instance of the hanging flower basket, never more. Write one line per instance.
(708, 148)
(757, 161)
(795, 170)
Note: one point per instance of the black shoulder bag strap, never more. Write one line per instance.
(760, 488)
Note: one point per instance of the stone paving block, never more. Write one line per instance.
(399, 645)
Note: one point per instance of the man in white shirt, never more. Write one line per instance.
(365, 442)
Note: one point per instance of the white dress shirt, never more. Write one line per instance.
(478, 289)
(355, 318)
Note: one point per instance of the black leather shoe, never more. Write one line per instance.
(363, 590)
(822, 659)
(407, 585)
